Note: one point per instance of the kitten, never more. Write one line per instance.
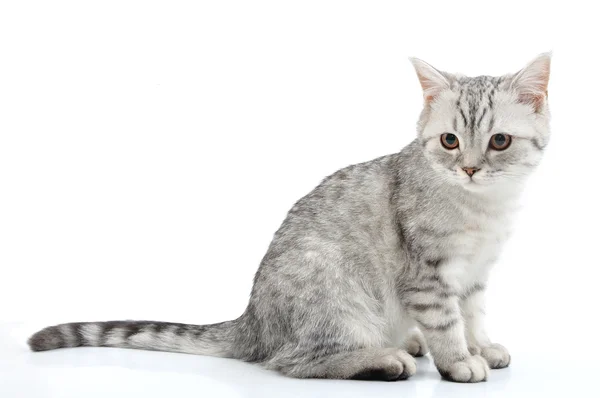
(384, 260)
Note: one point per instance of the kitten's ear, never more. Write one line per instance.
(531, 82)
(432, 80)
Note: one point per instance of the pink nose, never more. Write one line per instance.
(471, 170)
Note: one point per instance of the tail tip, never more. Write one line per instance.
(46, 339)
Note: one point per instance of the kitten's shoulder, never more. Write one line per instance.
(382, 168)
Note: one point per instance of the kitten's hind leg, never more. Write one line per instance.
(386, 364)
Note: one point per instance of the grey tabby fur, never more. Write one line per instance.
(384, 260)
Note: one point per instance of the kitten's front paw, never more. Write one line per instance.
(415, 344)
(472, 370)
(496, 356)
(474, 349)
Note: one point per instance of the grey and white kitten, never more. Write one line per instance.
(385, 258)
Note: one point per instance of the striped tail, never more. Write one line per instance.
(214, 340)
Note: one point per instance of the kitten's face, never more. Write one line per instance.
(485, 132)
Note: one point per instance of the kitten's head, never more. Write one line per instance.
(484, 132)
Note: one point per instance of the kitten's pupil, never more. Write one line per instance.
(451, 139)
(499, 139)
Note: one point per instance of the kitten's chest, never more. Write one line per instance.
(479, 238)
(473, 249)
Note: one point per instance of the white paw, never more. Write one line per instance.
(415, 344)
(395, 364)
(472, 370)
(399, 365)
(474, 350)
(496, 356)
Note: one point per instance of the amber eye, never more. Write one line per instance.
(500, 142)
(449, 141)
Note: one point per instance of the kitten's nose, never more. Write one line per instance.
(471, 170)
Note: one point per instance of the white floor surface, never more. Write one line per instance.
(107, 372)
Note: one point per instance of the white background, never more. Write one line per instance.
(149, 151)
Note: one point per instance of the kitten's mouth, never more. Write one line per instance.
(473, 185)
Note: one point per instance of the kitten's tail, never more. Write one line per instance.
(214, 340)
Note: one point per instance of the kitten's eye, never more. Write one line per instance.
(500, 142)
(449, 141)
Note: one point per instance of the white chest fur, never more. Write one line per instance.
(474, 249)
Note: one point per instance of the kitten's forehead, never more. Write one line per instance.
(478, 82)
(474, 105)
